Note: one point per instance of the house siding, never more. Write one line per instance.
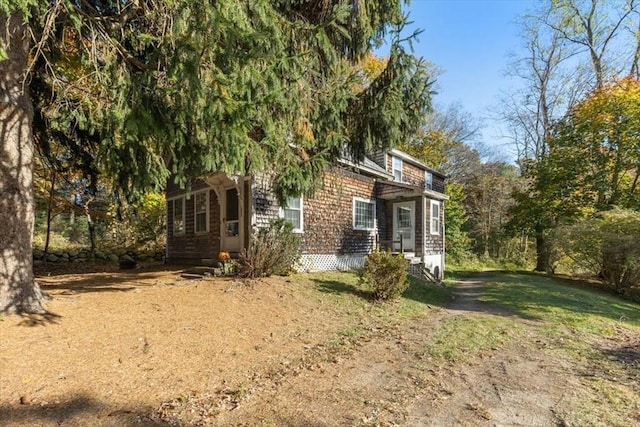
(434, 243)
(265, 204)
(411, 173)
(328, 215)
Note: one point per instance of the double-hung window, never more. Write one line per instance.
(364, 214)
(396, 164)
(178, 216)
(428, 180)
(201, 211)
(435, 217)
(293, 212)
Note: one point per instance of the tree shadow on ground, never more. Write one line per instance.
(428, 293)
(417, 290)
(338, 287)
(47, 269)
(78, 410)
(38, 319)
(116, 281)
(628, 355)
(524, 294)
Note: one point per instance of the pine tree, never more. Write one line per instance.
(154, 89)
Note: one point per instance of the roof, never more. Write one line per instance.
(367, 165)
(392, 189)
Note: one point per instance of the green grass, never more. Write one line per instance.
(546, 299)
(573, 320)
(465, 337)
(541, 314)
(418, 297)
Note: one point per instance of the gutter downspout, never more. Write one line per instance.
(166, 233)
(444, 241)
(424, 230)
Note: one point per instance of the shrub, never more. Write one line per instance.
(273, 250)
(606, 245)
(385, 275)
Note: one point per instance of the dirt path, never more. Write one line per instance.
(508, 387)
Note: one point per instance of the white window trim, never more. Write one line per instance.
(428, 183)
(353, 213)
(173, 216)
(195, 213)
(394, 169)
(431, 217)
(281, 214)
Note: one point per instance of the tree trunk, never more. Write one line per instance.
(50, 210)
(542, 255)
(90, 225)
(19, 293)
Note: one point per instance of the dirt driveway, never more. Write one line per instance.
(150, 348)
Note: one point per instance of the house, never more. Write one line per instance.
(390, 200)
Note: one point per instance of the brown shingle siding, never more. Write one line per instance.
(328, 216)
(433, 242)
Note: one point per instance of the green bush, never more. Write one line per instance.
(385, 275)
(273, 250)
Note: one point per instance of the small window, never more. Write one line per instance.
(403, 215)
(428, 180)
(397, 169)
(178, 216)
(202, 212)
(435, 217)
(364, 214)
(293, 212)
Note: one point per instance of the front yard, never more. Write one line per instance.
(147, 347)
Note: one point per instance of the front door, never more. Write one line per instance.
(231, 221)
(404, 226)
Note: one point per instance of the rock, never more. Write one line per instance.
(127, 258)
(52, 258)
(127, 262)
(113, 258)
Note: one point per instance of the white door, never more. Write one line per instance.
(404, 216)
(231, 221)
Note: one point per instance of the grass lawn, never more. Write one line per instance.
(595, 331)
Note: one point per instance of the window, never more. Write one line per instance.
(232, 211)
(201, 212)
(178, 216)
(403, 215)
(397, 169)
(293, 212)
(364, 214)
(435, 217)
(428, 180)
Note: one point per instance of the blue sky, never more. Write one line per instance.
(470, 40)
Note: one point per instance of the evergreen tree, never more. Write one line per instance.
(160, 88)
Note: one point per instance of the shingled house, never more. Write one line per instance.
(390, 200)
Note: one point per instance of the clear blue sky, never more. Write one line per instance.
(470, 40)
